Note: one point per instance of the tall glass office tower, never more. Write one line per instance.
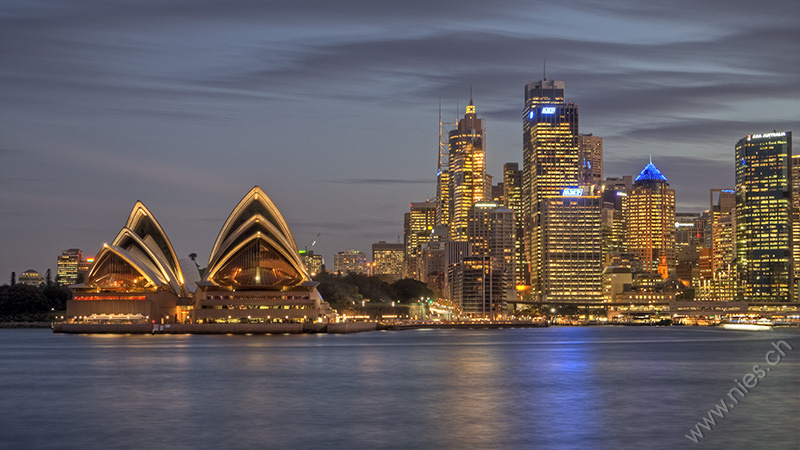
(551, 161)
(763, 220)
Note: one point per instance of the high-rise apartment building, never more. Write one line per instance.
(650, 221)
(387, 259)
(571, 249)
(417, 229)
(350, 261)
(591, 158)
(763, 219)
(551, 161)
(467, 170)
(67, 266)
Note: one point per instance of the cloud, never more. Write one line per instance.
(380, 181)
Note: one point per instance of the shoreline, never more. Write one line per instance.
(14, 325)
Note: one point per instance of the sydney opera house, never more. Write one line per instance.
(254, 275)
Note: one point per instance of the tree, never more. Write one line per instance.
(409, 290)
(13, 278)
(24, 303)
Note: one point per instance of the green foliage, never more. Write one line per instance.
(409, 290)
(349, 290)
(22, 303)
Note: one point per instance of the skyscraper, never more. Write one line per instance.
(467, 170)
(418, 227)
(491, 234)
(796, 225)
(512, 196)
(571, 249)
(650, 221)
(551, 160)
(763, 220)
(591, 158)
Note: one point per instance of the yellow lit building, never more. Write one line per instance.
(763, 219)
(387, 259)
(591, 158)
(67, 266)
(650, 221)
(418, 228)
(491, 234)
(551, 161)
(350, 261)
(467, 170)
(571, 249)
(512, 196)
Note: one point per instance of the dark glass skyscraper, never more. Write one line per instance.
(763, 220)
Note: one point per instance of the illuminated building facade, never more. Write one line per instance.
(763, 219)
(491, 234)
(571, 248)
(350, 261)
(387, 259)
(591, 158)
(477, 288)
(418, 227)
(615, 193)
(467, 168)
(551, 161)
(67, 266)
(255, 274)
(138, 276)
(512, 199)
(312, 261)
(650, 221)
(31, 278)
(796, 225)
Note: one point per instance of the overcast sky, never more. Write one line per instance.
(332, 107)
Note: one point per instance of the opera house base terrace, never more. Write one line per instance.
(255, 281)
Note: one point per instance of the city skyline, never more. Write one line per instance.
(334, 113)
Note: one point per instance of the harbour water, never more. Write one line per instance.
(559, 387)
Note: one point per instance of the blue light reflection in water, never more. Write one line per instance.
(610, 387)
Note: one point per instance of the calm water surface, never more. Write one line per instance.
(606, 387)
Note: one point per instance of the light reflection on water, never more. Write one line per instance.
(609, 387)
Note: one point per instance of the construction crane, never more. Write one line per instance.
(314, 242)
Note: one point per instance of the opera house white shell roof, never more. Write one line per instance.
(254, 250)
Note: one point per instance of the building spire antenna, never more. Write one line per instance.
(470, 94)
(651, 159)
(544, 69)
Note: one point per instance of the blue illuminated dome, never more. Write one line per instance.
(650, 173)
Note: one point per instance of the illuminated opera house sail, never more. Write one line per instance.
(254, 274)
(137, 277)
